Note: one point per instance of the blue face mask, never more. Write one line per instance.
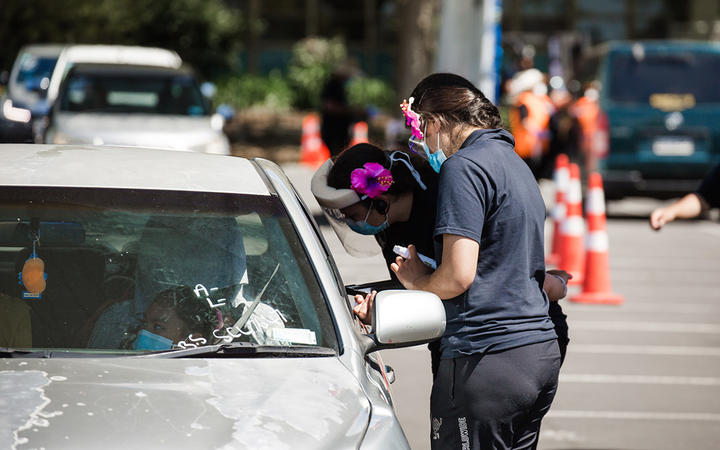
(363, 227)
(436, 159)
(151, 341)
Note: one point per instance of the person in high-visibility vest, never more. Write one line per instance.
(530, 117)
(593, 143)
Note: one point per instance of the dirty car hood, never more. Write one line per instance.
(173, 403)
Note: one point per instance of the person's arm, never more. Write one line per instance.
(692, 205)
(453, 276)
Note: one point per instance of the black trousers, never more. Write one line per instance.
(494, 400)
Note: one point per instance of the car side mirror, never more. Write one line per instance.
(403, 318)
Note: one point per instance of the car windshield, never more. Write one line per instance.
(635, 79)
(130, 271)
(133, 93)
(33, 67)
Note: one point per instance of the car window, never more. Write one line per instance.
(134, 270)
(33, 67)
(647, 77)
(118, 93)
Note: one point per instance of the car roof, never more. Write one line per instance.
(129, 69)
(43, 50)
(126, 168)
(122, 54)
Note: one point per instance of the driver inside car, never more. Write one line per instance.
(207, 255)
(177, 317)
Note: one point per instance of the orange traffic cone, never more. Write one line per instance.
(572, 256)
(596, 288)
(561, 177)
(360, 133)
(313, 151)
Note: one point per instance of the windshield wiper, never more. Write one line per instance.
(7, 352)
(244, 350)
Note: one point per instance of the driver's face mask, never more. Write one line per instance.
(150, 341)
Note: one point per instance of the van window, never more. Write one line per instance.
(692, 75)
(34, 67)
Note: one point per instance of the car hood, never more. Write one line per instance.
(277, 403)
(143, 130)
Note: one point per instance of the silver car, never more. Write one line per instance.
(146, 106)
(160, 299)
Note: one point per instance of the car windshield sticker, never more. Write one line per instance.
(294, 335)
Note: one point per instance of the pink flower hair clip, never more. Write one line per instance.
(372, 180)
(412, 119)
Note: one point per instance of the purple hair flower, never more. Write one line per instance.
(372, 180)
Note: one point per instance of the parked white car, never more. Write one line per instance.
(38, 72)
(137, 105)
(159, 299)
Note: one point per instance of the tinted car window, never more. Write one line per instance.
(133, 93)
(635, 79)
(134, 270)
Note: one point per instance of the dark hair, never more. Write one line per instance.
(453, 100)
(356, 156)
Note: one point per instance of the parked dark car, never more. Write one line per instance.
(661, 100)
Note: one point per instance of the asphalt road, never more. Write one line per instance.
(642, 375)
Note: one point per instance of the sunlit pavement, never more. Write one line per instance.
(643, 375)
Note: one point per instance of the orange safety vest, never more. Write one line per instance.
(587, 111)
(532, 136)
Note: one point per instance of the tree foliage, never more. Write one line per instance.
(312, 63)
(206, 33)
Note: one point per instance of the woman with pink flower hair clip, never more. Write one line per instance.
(499, 355)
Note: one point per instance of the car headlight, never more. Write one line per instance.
(218, 146)
(15, 114)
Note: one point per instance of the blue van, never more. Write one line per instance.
(661, 100)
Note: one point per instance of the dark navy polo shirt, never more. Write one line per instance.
(488, 194)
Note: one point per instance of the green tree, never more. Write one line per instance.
(206, 33)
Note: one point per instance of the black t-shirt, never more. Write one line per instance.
(418, 230)
(709, 189)
(488, 194)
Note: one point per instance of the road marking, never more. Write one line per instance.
(664, 327)
(639, 379)
(665, 350)
(633, 415)
(656, 307)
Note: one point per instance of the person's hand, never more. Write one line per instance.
(555, 285)
(660, 217)
(363, 307)
(561, 273)
(409, 271)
